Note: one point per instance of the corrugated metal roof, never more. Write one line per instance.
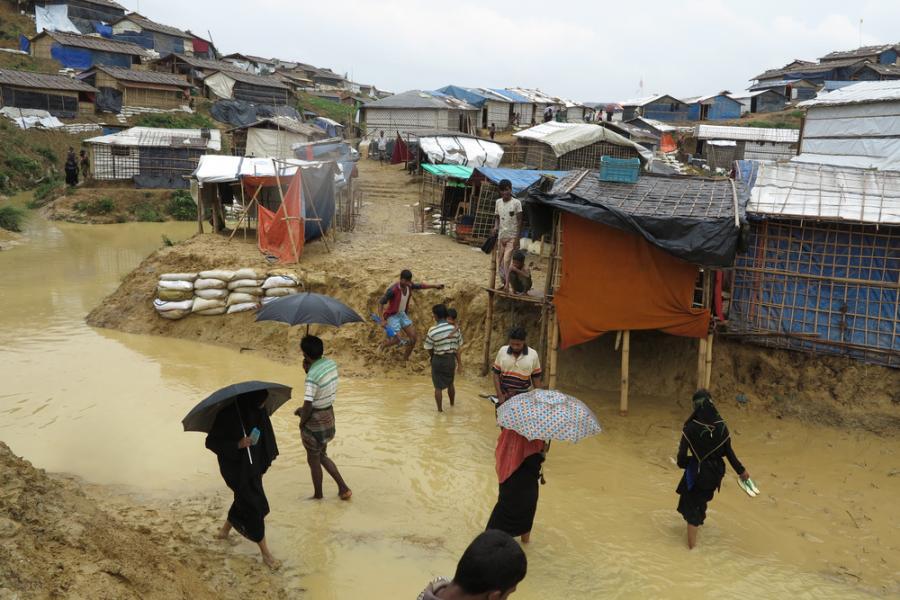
(92, 42)
(153, 77)
(145, 23)
(750, 134)
(258, 80)
(421, 99)
(40, 80)
(535, 96)
(859, 52)
(205, 63)
(858, 93)
(108, 3)
(644, 101)
(826, 192)
(811, 68)
(657, 125)
(162, 138)
(512, 95)
(633, 130)
(288, 124)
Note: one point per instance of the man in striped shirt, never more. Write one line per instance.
(442, 342)
(516, 368)
(317, 414)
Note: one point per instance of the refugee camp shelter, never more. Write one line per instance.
(667, 133)
(654, 236)
(130, 91)
(239, 85)
(81, 52)
(203, 48)
(165, 39)
(83, 14)
(59, 95)
(327, 79)
(458, 149)
(539, 101)
(884, 54)
(716, 107)
(195, 69)
(272, 137)
(645, 137)
(822, 270)
(660, 107)
(151, 157)
(418, 111)
(760, 101)
(522, 106)
(794, 90)
(567, 146)
(251, 64)
(721, 145)
(330, 127)
(495, 107)
(855, 126)
(295, 80)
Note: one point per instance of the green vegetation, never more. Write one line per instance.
(22, 164)
(146, 212)
(166, 241)
(101, 206)
(11, 218)
(326, 108)
(47, 191)
(48, 154)
(774, 124)
(181, 207)
(175, 121)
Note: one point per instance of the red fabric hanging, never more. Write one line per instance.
(281, 233)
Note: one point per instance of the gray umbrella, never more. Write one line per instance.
(202, 416)
(308, 308)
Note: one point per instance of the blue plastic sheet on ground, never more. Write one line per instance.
(521, 179)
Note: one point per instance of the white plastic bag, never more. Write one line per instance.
(235, 298)
(243, 307)
(201, 304)
(178, 277)
(208, 284)
(279, 281)
(212, 294)
(163, 306)
(244, 283)
(217, 274)
(246, 273)
(280, 292)
(253, 291)
(184, 286)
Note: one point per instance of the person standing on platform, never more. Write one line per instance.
(507, 228)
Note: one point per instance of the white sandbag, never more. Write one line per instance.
(163, 306)
(212, 312)
(245, 273)
(253, 291)
(245, 283)
(211, 294)
(280, 292)
(178, 276)
(209, 284)
(201, 304)
(266, 300)
(243, 307)
(174, 315)
(235, 298)
(280, 281)
(217, 274)
(176, 285)
(174, 295)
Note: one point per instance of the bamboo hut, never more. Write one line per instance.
(567, 146)
(128, 91)
(60, 96)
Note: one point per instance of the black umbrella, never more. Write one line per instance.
(202, 416)
(308, 308)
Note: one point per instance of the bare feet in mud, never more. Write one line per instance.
(314, 497)
(271, 562)
(223, 532)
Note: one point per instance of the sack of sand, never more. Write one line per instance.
(202, 306)
(178, 277)
(242, 307)
(222, 274)
(174, 295)
(279, 281)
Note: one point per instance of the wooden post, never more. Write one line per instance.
(553, 359)
(623, 394)
(701, 362)
(489, 317)
(215, 212)
(200, 209)
(709, 358)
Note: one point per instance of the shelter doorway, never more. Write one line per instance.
(484, 118)
(704, 112)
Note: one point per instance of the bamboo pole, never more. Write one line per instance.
(200, 209)
(245, 213)
(623, 392)
(489, 318)
(709, 358)
(554, 351)
(701, 362)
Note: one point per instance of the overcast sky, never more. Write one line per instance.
(581, 50)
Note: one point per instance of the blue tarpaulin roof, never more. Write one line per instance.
(517, 98)
(470, 96)
(521, 179)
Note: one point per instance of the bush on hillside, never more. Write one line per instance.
(11, 218)
(47, 191)
(101, 206)
(48, 154)
(175, 121)
(146, 212)
(24, 165)
(181, 207)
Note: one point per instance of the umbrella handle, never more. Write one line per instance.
(243, 430)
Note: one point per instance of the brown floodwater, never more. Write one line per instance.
(107, 406)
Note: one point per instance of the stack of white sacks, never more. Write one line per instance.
(220, 291)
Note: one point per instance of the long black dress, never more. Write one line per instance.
(518, 498)
(705, 440)
(250, 507)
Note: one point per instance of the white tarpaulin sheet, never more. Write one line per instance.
(566, 137)
(216, 168)
(826, 192)
(753, 134)
(54, 17)
(272, 143)
(466, 151)
(160, 138)
(862, 92)
(220, 84)
(28, 118)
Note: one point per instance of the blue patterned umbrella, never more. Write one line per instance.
(548, 415)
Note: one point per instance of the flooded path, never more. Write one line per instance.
(107, 406)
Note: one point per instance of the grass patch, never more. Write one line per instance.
(146, 212)
(175, 121)
(11, 218)
(167, 242)
(22, 164)
(181, 207)
(101, 206)
(48, 154)
(326, 108)
(46, 192)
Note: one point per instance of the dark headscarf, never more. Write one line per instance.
(705, 430)
(239, 419)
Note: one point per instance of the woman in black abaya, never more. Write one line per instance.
(230, 439)
(705, 440)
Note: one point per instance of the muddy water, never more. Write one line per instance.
(106, 406)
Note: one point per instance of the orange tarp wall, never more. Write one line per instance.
(613, 280)
(281, 233)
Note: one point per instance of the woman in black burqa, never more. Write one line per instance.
(229, 439)
(704, 441)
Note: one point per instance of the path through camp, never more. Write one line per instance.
(106, 406)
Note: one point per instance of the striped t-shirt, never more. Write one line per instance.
(321, 383)
(516, 371)
(444, 338)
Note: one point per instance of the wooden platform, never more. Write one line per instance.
(518, 297)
